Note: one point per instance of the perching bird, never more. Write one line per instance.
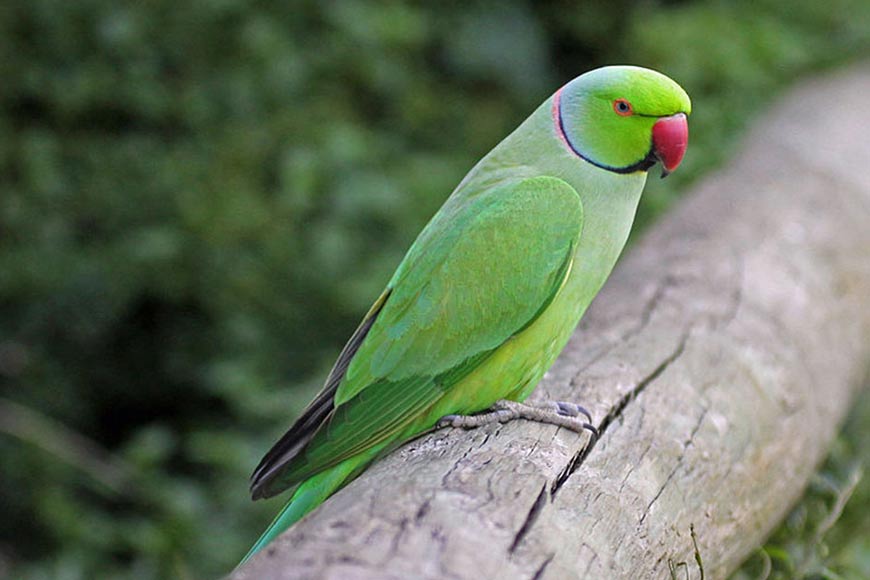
(493, 287)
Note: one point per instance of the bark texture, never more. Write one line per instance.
(718, 363)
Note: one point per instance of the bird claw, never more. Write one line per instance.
(593, 431)
(559, 413)
(572, 410)
(447, 421)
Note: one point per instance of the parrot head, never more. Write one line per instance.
(624, 119)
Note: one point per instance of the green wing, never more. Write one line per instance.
(478, 274)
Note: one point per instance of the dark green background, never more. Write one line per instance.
(199, 200)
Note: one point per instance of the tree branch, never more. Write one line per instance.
(718, 363)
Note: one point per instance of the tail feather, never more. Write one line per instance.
(310, 494)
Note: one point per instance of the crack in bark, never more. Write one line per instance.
(620, 406)
(737, 294)
(422, 511)
(576, 461)
(456, 465)
(660, 491)
(616, 412)
(539, 573)
(440, 540)
(704, 410)
(649, 307)
(591, 561)
(646, 315)
(632, 467)
(531, 517)
(677, 466)
(396, 541)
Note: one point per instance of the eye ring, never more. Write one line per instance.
(622, 107)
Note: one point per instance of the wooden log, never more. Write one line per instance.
(718, 363)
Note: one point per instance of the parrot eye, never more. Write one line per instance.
(622, 107)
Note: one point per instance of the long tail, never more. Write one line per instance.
(310, 494)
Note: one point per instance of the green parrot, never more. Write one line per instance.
(491, 290)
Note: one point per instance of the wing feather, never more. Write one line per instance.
(322, 405)
(474, 278)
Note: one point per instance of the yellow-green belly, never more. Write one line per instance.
(513, 370)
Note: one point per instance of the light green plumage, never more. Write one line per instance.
(490, 292)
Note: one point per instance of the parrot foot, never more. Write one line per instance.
(558, 413)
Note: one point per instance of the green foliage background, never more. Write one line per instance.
(199, 199)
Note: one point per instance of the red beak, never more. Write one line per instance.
(670, 137)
